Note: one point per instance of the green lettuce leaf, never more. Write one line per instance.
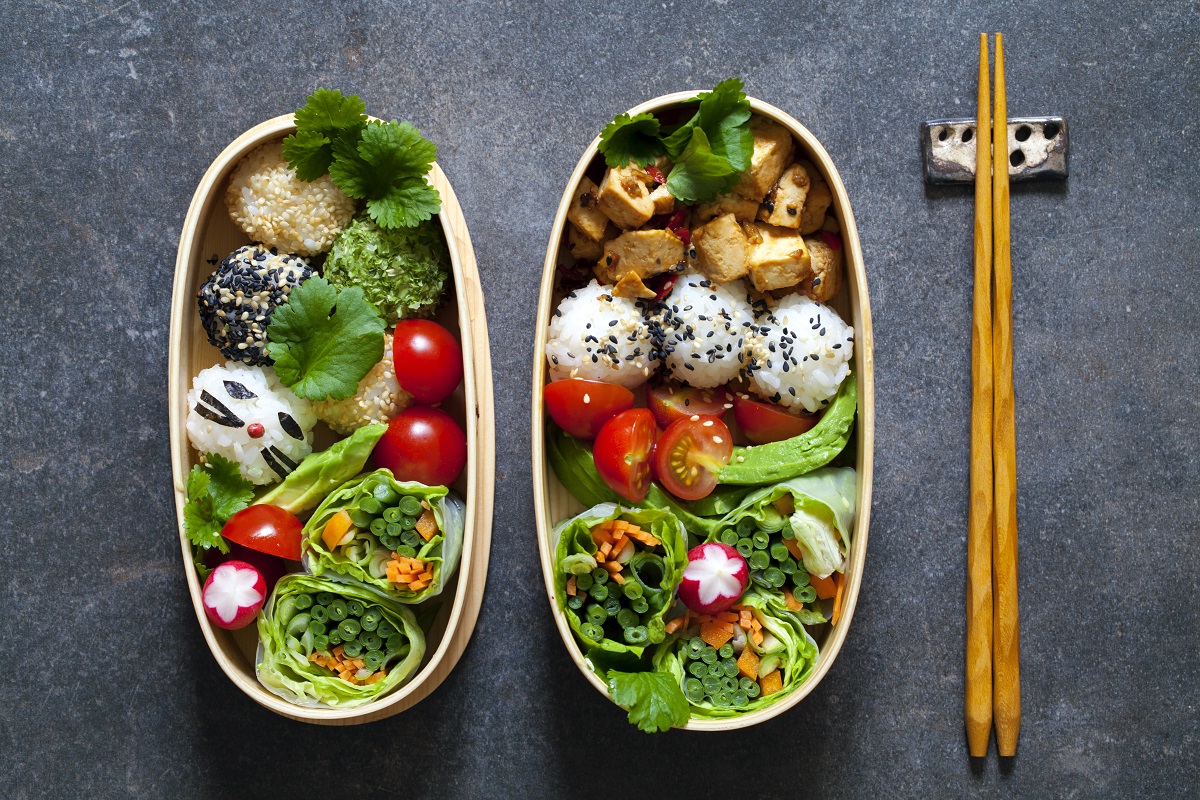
(653, 699)
(629, 138)
(324, 341)
(216, 491)
(320, 473)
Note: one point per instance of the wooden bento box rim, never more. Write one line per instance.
(477, 387)
(856, 285)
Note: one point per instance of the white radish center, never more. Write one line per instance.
(231, 589)
(716, 575)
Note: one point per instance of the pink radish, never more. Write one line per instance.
(714, 579)
(233, 594)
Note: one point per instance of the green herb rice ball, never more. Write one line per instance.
(401, 271)
(273, 206)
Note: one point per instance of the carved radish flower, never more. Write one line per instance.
(233, 594)
(715, 577)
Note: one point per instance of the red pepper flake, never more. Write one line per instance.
(656, 173)
(832, 239)
(665, 284)
(677, 219)
(684, 234)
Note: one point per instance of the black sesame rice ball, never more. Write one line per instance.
(237, 300)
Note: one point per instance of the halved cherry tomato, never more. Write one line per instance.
(764, 422)
(672, 401)
(582, 407)
(423, 444)
(690, 453)
(267, 529)
(428, 360)
(623, 452)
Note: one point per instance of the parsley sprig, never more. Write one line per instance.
(383, 163)
(709, 151)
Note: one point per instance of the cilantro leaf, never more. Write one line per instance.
(309, 153)
(724, 114)
(407, 204)
(678, 139)
(653, 699)
(386, 166)
(629, 138)
(216, 491)
(324, 341)
(325, 118)
(699, 174)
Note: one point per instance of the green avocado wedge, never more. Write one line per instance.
(791, 458)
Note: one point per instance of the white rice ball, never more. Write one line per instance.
(378, 398)
(246, 415)
(704, 325)
(273, 206)
(597, 336)
(800, 354)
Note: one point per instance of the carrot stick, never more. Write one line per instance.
(825, 587)
(839, 578)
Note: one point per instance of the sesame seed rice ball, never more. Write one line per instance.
(704, 327)
(273, 206)
(597, 336)
(237, 300)
(800, 354)
(378, 398)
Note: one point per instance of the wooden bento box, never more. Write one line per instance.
(553, 503)
(208, 233)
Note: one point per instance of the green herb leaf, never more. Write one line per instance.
(309, 153)
(629, 138)
(387, 167)
(700, 174)
(653, 699)
(407, 204)
(216, 491)
(325, 118)
(324, 341)
(724, 116)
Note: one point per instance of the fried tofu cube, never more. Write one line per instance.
(664, 203)
(773, 148)
(624, 197)
(582, 246)
(584, 212)
(826, 262)
(784, 203)
(645, 253)
(631, 286)
(779, 259)
(817, 202)
(722, 252)
(743, 209)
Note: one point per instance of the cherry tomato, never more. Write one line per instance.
(429, 362)
(425, 445)
(763, 422)
(623, 452)
(672, 401)
(582, 407)
(690, 453)
(267, 529)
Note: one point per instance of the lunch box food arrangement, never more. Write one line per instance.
(331, 414)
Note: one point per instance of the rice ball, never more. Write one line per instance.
(704, 325)
(273, 206)
(800, 354)
(246, 415)
(597, 336)
(378, 398)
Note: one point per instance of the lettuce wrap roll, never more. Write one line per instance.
(326, 643)
(792, 531)
(740, 660)
(616, 571)
(403, 539)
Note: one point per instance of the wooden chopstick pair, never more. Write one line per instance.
(993, 683)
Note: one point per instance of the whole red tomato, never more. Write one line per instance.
(425, 445)
(582, 407)
(623, 452)
(428, 360)
(267, 529)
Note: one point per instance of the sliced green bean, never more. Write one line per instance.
(304, 602)
(591, 631)
(388, 541)
(693, 690)
(352, 649)
(360, 518)
(761, 540)
(788, 566)
(599, 592)
(394, 530)
(349, 628)
(696, 646)
(775, 577)
(626, 618)
(371, 618)
(745, 527)
(575, 601)
(753, 690)
(319, 613)
(337, 610)
(716, 669)
(806, 594)
(639, 634)
(632, 589)
(745, 547)
(406, 550)
(596, 614)
(315, 627)
(740, 699)
(371, 641)
(411, 539)
(408, 523)
(373, 660)
(583, 582)
(729, 536)
(612, 605)
(756, 577)
(800, 577)
(709, 654)
(760, 560)
(698, 668)
(600, 575)
(355, 607)
(729, 685)
(386, 495)
(395, 642)
(726, 650)
(393, 515)
(371, 506)
(320, 642)
(335, 638)
(410, 505)
(779, 551)
(730, 667)
(378, 526)
(711, 683)
(640, 605)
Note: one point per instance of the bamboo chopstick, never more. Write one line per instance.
(1006, 640)
(978, 705)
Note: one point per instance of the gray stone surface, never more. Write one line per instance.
(109, 114)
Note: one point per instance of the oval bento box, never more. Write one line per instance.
(553, 503)
(209, 235)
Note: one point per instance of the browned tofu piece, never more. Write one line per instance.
(624, 197)
(817, 202)
(664, 203)
(826, 262)
(743, 209)
(779, 259)
(721, 249)
(645, 253)
(783, 204)
(773, 148)
(631, 286)
(585, 213)
(581, 246)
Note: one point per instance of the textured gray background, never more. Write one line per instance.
(111, 111)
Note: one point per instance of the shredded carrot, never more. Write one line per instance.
(674, 624)
(411, 572)
(839, 578)
(336, 529)
(756, 637)
(614, 566)
(794, 548)
(716, 633)
(617, 577)
(790, 599)
(748, 664)
(427, 525)
(571, 586)
(727, 616)
(345, 668)
(825, 587)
